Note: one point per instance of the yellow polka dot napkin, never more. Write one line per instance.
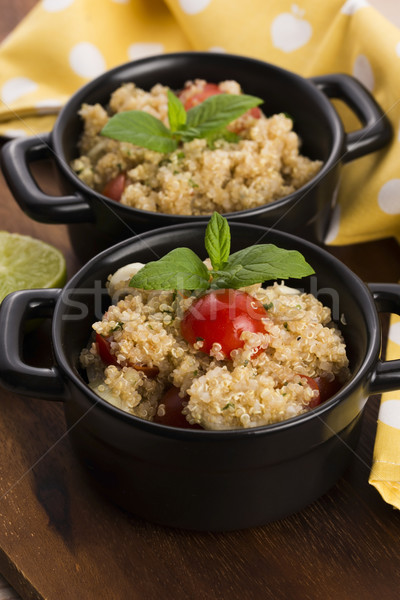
(385, 472)
(62, 44)
(314, 38)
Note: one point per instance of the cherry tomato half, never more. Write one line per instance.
(255, 112)
(314, 386)
(221, 316)
(209, 89)
(103, 347)
(173, 410)
(326, 388)
(150, 372)
(114, 188)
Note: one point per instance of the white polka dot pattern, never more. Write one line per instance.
(351, 6)
(49, 106)
(56, 5)
(334, 226)
(217, 49)
(389, 413)
(16, 133)
(394, 333)
(193, 7)
(86, 60)
(290, 31)
(136, 51)
(17, 87)
(362, 71)
(389, 197)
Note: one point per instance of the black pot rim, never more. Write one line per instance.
(365, 301)
(92, 195)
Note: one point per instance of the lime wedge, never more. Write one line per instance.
(27, 263)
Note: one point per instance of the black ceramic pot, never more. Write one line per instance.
(306, 212)
(197, 479)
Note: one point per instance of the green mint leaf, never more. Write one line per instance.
(176, 112)
(188, 134)
(218, 241)
(206, 120)
(263, 262)
(229, 136)
(141, 129)
(183, 269)
(218, 111)
(221, 134)
(180, 269)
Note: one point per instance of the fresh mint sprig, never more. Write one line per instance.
(217, 241)
(208, 120)
(176, 112)
(182, 269)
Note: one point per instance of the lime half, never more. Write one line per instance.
(27, 263)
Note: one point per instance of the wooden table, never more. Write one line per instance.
(59, 540)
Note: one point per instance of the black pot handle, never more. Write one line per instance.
(16, 155)
(15, 374)
(376, 131)
(386, 377)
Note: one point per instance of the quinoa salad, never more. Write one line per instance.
(262, 164)
(139, 356)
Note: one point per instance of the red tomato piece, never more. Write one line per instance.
(103, 347)
(221, 316)
(314, 386)
(326, 388)
(255, 112)
(114, 188)
(150, 372)
(173, 410)
(209, 89)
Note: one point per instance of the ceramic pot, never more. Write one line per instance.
(95, 221)
(197, 479)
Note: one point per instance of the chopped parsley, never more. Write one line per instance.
(229, 405)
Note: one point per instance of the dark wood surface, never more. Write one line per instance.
(59, 540)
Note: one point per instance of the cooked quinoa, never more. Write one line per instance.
(264, 165)
(143, 328)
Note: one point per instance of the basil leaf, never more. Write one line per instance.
(206, 120)
(218, 241)
(180, 269)
(224, 134)
(188, 134)
(263, 262)
(176, 112)
(140, 128)
(218, 111)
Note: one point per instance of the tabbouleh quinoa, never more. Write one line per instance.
(300, 341)
(263, 165)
